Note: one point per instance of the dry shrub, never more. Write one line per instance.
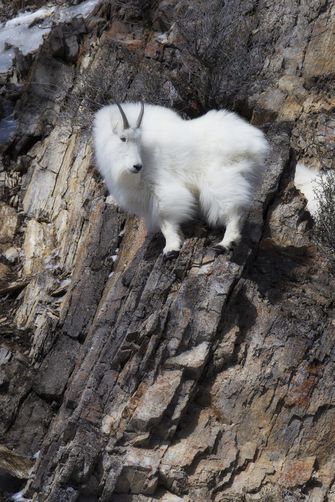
(324, 230)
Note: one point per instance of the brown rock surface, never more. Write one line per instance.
(203, 378)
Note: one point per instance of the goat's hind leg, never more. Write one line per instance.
(233, 233)
(213, 201)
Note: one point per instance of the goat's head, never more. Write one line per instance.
(130, 141)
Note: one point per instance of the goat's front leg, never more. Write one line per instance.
(173, 238)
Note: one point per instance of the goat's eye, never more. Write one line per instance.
(123, 138)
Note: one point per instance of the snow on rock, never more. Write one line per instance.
(11, 254)
(306, 181)
(84, 9)
(26, 31)
(19, 497)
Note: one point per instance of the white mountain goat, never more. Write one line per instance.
(163, 168)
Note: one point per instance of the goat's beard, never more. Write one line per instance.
(126, 177)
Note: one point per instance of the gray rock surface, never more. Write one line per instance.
(203, 378)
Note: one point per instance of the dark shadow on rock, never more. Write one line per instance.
(9, 484)
(154, 243)
(239, 315)
(239, 312)
(276, 267)
(153, 246)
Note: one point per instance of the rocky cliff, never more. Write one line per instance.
(202, 378)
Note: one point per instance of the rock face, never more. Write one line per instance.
(203, 378)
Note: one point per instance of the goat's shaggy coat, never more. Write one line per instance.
(169, 167)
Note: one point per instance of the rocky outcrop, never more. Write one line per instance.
(202, 378)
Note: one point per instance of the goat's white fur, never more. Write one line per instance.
(213, 163)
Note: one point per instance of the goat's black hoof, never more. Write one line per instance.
(170, 255)
(219, 249)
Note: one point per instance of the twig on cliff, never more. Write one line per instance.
(324, 231)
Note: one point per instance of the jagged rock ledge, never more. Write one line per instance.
(203, 378)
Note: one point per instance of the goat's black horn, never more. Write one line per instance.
(124, 118)
(140, 117)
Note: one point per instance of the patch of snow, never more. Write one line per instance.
(26, 31)
(84, 9)
(26, 18)
(18, 497)
(162, 38)
(11, 254)
(6, 57)
(114, 256)
(306, 181)
(18, 33)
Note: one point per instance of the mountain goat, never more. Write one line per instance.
(164, 169)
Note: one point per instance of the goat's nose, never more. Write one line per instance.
(138, 167)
